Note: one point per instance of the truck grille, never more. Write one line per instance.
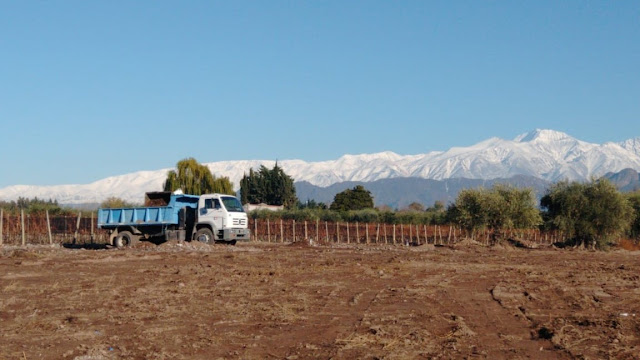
(239, 222)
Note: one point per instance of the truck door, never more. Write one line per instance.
(212, 212)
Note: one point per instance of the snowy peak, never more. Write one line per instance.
(543, 136)
(632, 145)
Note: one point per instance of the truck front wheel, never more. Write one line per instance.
(124, 239)
(205, 235)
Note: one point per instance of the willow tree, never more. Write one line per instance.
(196, 179)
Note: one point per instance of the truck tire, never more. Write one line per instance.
(205, 235)
(125, 239)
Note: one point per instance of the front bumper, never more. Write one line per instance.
(236, 234)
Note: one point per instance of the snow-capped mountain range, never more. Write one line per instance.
(545, 154)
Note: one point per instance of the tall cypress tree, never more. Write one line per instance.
(273, 187)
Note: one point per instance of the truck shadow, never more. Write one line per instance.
(86, 246)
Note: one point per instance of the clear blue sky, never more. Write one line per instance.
(90, 89)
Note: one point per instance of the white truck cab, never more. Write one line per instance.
(220, 217)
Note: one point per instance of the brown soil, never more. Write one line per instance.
(261, 301)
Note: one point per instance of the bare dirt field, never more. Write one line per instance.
(295, 301)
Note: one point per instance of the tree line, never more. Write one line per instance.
(593, 214)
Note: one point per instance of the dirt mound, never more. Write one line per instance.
(423, 247)
(303, 243)
(467, 243)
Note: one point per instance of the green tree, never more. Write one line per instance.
(591, 214)
(498, 208)
(634, 200)
(272, 187)
(468, 211)
(357, 198)
(196, 179)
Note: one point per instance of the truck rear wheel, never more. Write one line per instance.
(205, 235)
(125, 239)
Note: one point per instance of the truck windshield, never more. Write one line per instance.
(232, 204)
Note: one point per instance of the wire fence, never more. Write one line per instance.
(23, 229)
(380, 233)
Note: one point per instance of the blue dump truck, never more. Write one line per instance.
(171, 216)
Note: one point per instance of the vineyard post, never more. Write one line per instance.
(294, 230)
(384, 230)
(22, 227)
(255, 229)
(394, 234)
(435, 235)
(410, 234)
(418, 233)
(326, 230)
(378, 233)
(49, 228)
(268, 231)
(75, 236)
(426, 238)
(440, 233)
(337, 231)
(317, 229)
(1, 216)
(449, 237)
(92, 227)
(348, 240)
(402, 234)
(281, 232)
(367, 233)
(357, 233)
(306, 237)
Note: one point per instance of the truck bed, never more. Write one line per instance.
(160, 215)
(148, 215)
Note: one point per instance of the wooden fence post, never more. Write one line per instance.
(24, 240)
(326, 230)
(92, 227)
(1, 216)
(75, 235)
(394, 234)
(378, 233)
(426, 238)
(306, 235)
(294, 231)
(255, 229)
(348, 240)
(338, 231)
(357, 233)
(268, 231)
(367, 233)
(410, 234)
(281, 232)
(49, 229)
(318, 230)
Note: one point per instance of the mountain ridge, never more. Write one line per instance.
(542, 153)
